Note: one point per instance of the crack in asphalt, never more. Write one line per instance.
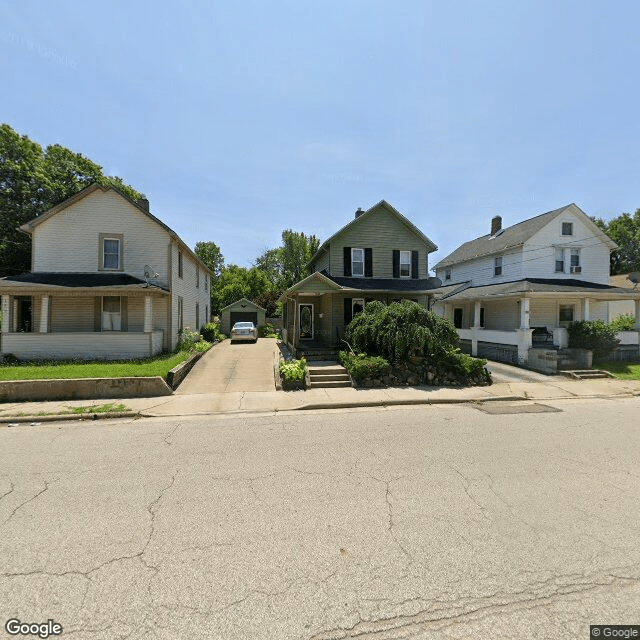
(22, 504)
(474, 608)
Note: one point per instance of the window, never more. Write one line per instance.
(457, 318)
(206, 282)
(565, 314)
(497, 266)
(179, 264)
(405, 264)
(357, 305)
(447, 274)
(111, 253)
(559, 260)
(180, 315)
(197, 276)
(111, 313)
(575, 261)
(197, 316)
(567, 228)
(357, 262)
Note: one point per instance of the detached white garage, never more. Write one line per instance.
(242, 310)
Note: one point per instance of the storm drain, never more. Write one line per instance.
(499, 408)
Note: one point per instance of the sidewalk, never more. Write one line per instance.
(270, 401)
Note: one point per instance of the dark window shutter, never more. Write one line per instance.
(368, 263)
(396, 263)
(124, 313)
(414, 264)
(348, 312)
(97, 313)
(346, 251)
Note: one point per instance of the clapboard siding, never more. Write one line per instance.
(323, 262)
(501, 315)
(383, 232)
(480, 271)
(543, 313)
(70, 240)
(70, 315)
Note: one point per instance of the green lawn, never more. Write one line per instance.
(622, 370)
(158, 366)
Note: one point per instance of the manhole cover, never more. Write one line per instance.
(514, 407)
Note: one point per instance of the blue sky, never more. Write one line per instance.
(239, 120)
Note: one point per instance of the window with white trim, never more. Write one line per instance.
(405, 264)
(197, 276)
(567, 228)
(565, 314)
(180, 314)
(111, 253)
(447, 274)
(179, 264)
(497, 266)
(111, 313)
(357, 262)
(559, 260)
(575, 261)
(357, 305)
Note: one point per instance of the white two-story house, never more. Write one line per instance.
(520, 287)
(108, 281)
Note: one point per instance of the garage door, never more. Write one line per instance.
(244, 316)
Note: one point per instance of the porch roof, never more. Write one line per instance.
(59, 282)
(543, 288)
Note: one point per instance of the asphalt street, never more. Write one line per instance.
(515, 520)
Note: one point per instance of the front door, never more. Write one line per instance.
(306, 322)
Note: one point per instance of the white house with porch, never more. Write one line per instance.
(108, 281)
(517, 289)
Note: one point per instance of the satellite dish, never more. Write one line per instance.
(150, 273)
(635, 278)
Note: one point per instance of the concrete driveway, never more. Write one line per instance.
(233, 367)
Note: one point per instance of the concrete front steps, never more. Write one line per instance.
(586, 374)
(328, 375)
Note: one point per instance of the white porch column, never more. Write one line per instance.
(637, 309)
(14, 316)
(524, 313)
(148, 315)
(476, 326)
(476, 314)
(6, 314)
(586, 316)
(44, 315)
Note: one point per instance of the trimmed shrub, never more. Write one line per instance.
(203, 345)
(211, 332)
(267, 330)
(626, 322)
(594, 335)
(362, 366)
(187, 339)
(401, 330)
(293, 370)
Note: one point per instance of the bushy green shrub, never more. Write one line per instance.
(293, 370)
(594, 335)
(187, 339)
(203, 345)
(362, 366)
(625, 322)
(211, 332)
(401, 330)
(457, 361)
(267, 330)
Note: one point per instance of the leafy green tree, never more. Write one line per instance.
(270, 263)
(625, 232)
(237, 282)
(211, 255)
(31, 182)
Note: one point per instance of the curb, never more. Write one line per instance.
(60, 417)
(408, 401)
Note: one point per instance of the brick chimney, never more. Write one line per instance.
(496, 225)
(359, 212)
(144, 203)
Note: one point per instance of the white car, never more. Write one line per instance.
(244, 331)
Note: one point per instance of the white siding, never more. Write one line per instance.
(69, 240)
(71, 314)
(543, 313)
(501, 315)
(539, 252)
(623, 307)
(480, 271)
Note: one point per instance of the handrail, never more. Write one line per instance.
(348, 345)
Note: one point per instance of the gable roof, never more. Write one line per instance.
(382, 204)
(514, 236)
(29, 226)
(247, 303)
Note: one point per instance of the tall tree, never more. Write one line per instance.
(210, 254)
(237, 282)
(31, 182)
(625, 232)
(297, 249)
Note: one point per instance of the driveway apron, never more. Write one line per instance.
(233, 367)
